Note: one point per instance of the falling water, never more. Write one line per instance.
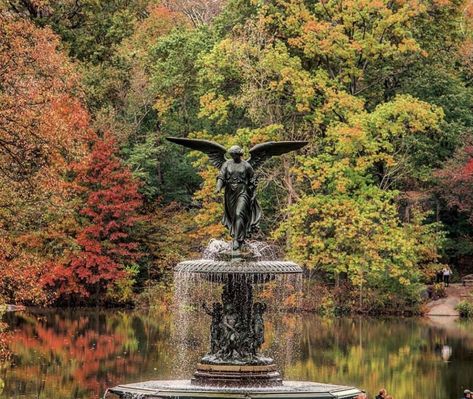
(191, 323)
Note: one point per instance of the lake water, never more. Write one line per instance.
(60, 354)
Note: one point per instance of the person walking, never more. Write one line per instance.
(467, 394)
(439, 276)
(446, 276)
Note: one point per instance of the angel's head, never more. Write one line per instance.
(235, 152)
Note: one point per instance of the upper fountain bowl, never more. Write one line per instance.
(256, 261)
(220, 270)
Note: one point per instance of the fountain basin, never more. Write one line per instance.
(184, 389)
(218, 270)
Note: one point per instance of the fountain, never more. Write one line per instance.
(234, 365)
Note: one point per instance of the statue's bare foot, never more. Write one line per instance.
(236, 245)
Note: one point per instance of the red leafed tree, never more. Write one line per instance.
(107, 216)
(456, 181)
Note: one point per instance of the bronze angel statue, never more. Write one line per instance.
(237, 176)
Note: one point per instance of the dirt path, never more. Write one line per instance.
(446, 306)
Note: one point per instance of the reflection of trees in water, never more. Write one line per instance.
(5, 354)
(79, 354)
(402, 355)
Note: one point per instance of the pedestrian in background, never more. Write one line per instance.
(446, 275)
(439, 276)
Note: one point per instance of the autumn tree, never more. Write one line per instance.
(456, 180)
(454, 184)
(43, 126)
(295, 70)
(105, 262)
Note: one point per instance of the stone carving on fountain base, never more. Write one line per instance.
(236, 337)
(237, 327)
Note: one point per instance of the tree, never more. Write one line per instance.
(456, 181)
(43, 128)
(347, 221)
(91, 32)
(198, 11)
(315, 72)
(107, 255)
(151, 158)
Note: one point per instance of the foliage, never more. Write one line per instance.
(161, 54)
(107, 255)
(465, 308)
(456, 180)
(438, 291)
(166, 239)
(143, 160)
(173, 78)
(350, 40)
(157, 296)
(43, 126)
(380, 89)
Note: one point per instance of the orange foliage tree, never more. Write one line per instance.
(42, 129)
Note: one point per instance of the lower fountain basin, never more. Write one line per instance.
(184, 389)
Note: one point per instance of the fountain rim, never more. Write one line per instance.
(289, 389)
(237, 267)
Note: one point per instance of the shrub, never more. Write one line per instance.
(465, 308)
(438, 291)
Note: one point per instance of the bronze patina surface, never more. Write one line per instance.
(237, 176)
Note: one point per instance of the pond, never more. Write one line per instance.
(78, 353)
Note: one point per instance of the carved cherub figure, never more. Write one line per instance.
(258, 325)
(231, 332)
(216, 327)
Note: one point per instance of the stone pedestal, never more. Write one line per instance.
(228, 375)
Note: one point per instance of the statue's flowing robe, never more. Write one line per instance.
(242, 211)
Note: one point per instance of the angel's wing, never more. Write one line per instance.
(261, 152)
(216, 152)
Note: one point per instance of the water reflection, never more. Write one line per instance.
(405, 356)
(77, 354)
